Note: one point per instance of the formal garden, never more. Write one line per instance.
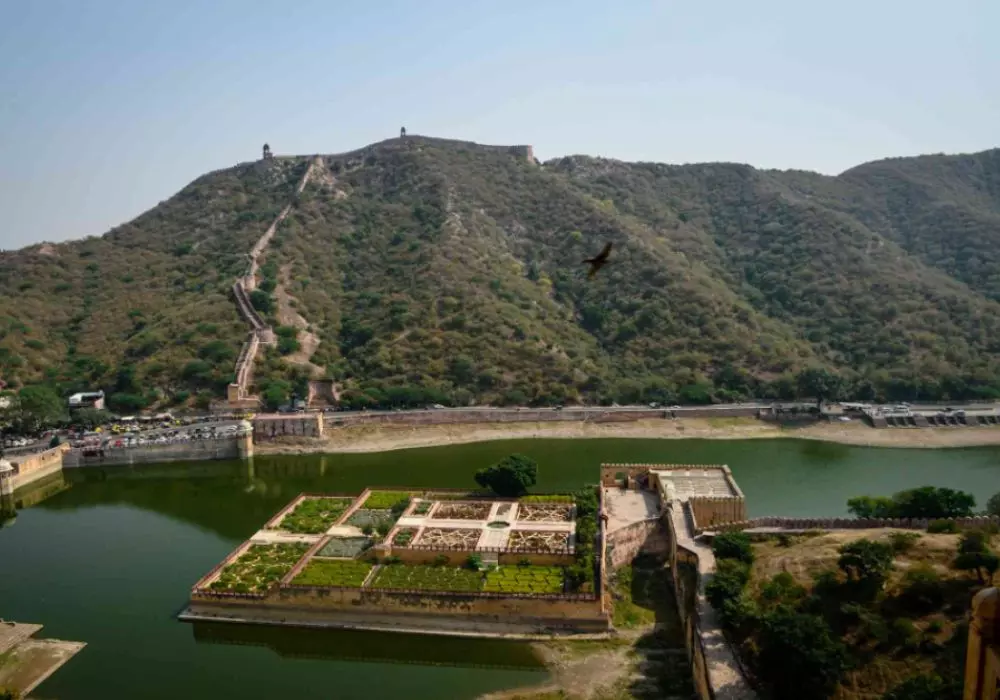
(370, 520)
(526, 579)
(387, 500)
(342, 573)
(463, 510)
(345, 547)
(545, 512)
(428, 577)
(259, 568)
(449, 538)
(314, 516)
(545, 540)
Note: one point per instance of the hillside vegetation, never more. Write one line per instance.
(421, 270)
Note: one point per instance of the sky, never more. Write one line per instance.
(108, 107)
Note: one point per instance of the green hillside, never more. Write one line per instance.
(425, 270)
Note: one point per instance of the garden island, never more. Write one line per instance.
(439, 561)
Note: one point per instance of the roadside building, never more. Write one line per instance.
(87, 399)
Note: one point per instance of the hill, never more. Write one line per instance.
(420, 269)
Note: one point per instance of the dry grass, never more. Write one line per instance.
(809, 555)
(880, 670)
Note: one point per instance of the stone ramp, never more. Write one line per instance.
(26, 662)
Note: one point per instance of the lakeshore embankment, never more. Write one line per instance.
(380, 438)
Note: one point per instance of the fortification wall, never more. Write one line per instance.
(193, 450)
(710, 510)
(714, 668)
(647, 536)
(778, 523)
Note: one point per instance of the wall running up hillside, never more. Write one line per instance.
(238, 394)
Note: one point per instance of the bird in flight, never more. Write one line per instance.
(598, 261)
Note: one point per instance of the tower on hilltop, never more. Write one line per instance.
(267, 152)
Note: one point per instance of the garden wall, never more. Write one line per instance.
(577, 612)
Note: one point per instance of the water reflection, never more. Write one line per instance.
(381, 647)
(820, 452)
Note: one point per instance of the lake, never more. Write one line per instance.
(109, 559)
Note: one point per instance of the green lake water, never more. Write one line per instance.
(110, 558)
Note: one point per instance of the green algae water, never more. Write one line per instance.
(109, 557)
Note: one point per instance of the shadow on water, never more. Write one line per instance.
(377, 647)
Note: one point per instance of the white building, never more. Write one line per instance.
(87, 399)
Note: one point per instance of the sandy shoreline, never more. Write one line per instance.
(380, 438)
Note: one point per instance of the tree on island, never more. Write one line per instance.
(511, 476)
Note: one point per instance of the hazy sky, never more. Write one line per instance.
(110, 106)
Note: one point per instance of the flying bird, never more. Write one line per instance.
(598, 261)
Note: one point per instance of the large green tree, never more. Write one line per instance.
(799, 657)
(993, 505)
(923, 502)
(511, 476)
(36, 408)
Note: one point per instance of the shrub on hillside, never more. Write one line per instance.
(866, 562)
(938, 527)
(727, 583)
(799, 658)
(926, 687)
(733, 545)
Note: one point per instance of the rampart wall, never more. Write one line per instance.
(778, 523)
(709, 510)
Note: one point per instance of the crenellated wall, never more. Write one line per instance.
(779, 523)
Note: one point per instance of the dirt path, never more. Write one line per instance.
(288, 316)
(378, 438)
(593, 674)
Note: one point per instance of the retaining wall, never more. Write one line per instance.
(581, 614)
(194, 450)
(493, 416)
(303, 425)
(31, 467)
